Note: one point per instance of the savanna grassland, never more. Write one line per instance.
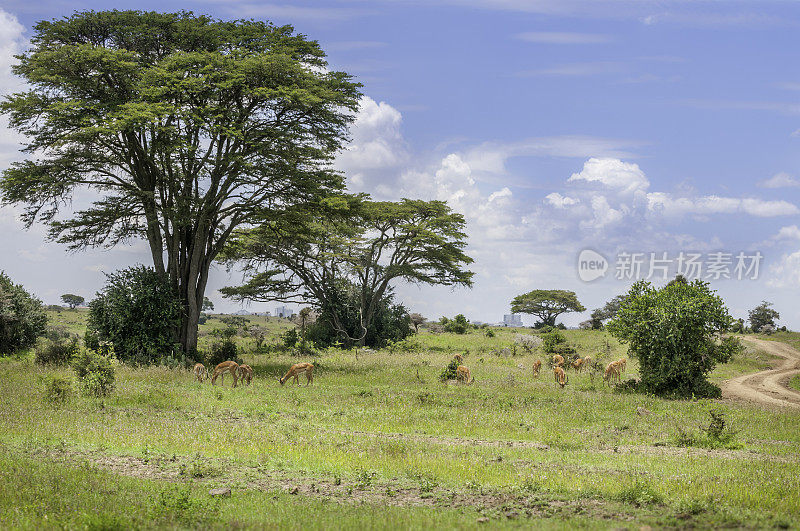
(379, 442)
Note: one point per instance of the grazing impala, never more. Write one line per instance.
(558, 360)
(536, 366)
(560, 376)
(296, 370)
(245, 373)
(463, 375)
(612, 373)
(578, 364)
(226, 366)
(459, 358)
(200, 372)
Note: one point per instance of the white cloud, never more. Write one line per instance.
(792, 232)
(670, 206)
(785, 273)
(561, 37)
(623, 177)
(561, 201)
(11, 43)
(780, 180)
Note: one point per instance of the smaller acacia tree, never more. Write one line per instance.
(73, 301)
(763, 315)
(417, 320)
(22, 317)
(547, 304)
(208, 306)
(674, 332)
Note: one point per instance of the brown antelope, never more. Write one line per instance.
(463, 375)
(226, 366)
(612, 373)
(587, 361)
(200, 372)
(245, 373)
(296, 370)
(459, 358)
(560, 376)
(621, 364)
(578, 364)
(536, 366)
(558, 360)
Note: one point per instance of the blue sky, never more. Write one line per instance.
(554, 126)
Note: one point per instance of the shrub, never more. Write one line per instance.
(56, 333)
(290, 338)
(551, 341)
(489, 332)
(529, 343)
(224, 350)
(95, 373)
(22, 317)
(673, 332)
(457, 325)
(57, 352)
(449, 373)
(139, 314)
(58, 390)
(640, 493)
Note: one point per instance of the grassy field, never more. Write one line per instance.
(379, 442)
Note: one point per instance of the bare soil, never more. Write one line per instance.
(769, 387)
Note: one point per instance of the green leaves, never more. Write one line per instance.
(674, 332)
(547, 305)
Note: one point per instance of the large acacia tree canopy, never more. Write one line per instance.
(547, 304)
(185, 126)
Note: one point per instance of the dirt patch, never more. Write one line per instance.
(769, 387)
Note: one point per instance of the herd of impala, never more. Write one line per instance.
(244, 373)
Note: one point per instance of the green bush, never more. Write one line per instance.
(457, 325)
(139, 314)
(489, 332)
(224, 350)
(95, 373)
(57, 352)
(673, 332)
(449, 373)
(57, 390)
(552, 340)
(22, 317)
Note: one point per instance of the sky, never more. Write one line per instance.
(648, 132)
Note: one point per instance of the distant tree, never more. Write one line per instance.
(416, 321)
(208, 306)
(763, 315)
(187, 127)
(22, 317)
(137, 312)
(674, 332)
(73, 301)
(547, 305)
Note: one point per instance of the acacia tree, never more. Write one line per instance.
(73, 301)
(416, 320)
(352, 244)
(186, 126)
(763, 315)
(546, 304)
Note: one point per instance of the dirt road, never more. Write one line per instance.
(770, 387)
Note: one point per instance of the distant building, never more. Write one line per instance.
(512, 319)
(283, 311)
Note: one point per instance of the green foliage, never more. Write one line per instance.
(640, 493)
(449, 373)
(57, 390)
(345, 258)
(72, 300)
(717, 434)
(673, 332)
(489, 332)
(390, 322)
(186, 125)
(95, 373)
(208, 306)
(57, 352)
(22, 317)
(138, 313)
(290, 338)
(763, 315)
(457, 325)
(223, 350)
(552, 341)
(547, 304)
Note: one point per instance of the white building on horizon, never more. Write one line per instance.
(512, 319)
(284, 312)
